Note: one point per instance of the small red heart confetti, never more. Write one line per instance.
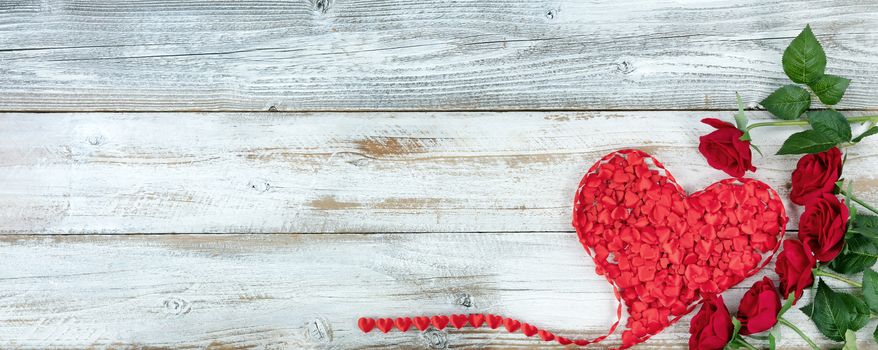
(494, 321)
(458, 321)
(511, 325)
(403, 323)
(476, 320)
(421, 322)
(384, 324)
(366, 324)
(439, 322)
(545, 336)
(528, 329)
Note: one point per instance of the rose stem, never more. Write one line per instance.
(859, 201)
(821, 272)
(865, 118)
(741, 341)
(810, 342)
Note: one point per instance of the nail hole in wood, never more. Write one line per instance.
(259, 185)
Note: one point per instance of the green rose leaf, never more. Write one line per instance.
(808, 141)
(831, 124)
(866, 221)
(859, 253)
(870, 289)
(872, 131)
(850, 340)
(788, 102)
(804, 60)
(866, 225)
(834, 313)
(875, 334)
(830, 88)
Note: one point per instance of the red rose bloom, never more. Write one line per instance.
(711, 328)
(815, 175)
(794, 266)
(823, 225)
(724, 149)
(759, 307)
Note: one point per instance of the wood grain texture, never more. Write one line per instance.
(195, 55)
(305, 291)
(342, 172)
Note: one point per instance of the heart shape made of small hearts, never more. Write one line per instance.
(663, 250)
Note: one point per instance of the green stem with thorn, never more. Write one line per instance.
(742, 342)
(858, 201)
(810, 342)
(824, 273)
(861, 119)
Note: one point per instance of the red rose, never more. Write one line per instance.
(815, 175)
(711, 328)
(724, 149)
(794, 266)
(759, 307)
(823, 225)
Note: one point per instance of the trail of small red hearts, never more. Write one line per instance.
(440, 322)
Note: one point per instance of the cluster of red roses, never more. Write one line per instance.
(822, 229)
(831, 232)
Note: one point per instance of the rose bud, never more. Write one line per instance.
(815, 175)
(794, 266)
(724, 149)
(823, 225)
(711, 328)
(759, 307)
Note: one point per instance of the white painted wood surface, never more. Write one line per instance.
(199, 55)
(345, 207)
(342, 172)
(304, 291)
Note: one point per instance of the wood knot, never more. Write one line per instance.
(273, 108)
(95, 140)
(552, 13)
(465, 300)
(322, 6)
(318, 331)
(435, 339)
(177, 306)
(624, 67)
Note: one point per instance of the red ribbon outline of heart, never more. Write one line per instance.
(366, 324)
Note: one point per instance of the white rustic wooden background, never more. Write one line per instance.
(256, 175)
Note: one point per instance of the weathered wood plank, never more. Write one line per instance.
(301, 291)
(338, 172)
(199, 55)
